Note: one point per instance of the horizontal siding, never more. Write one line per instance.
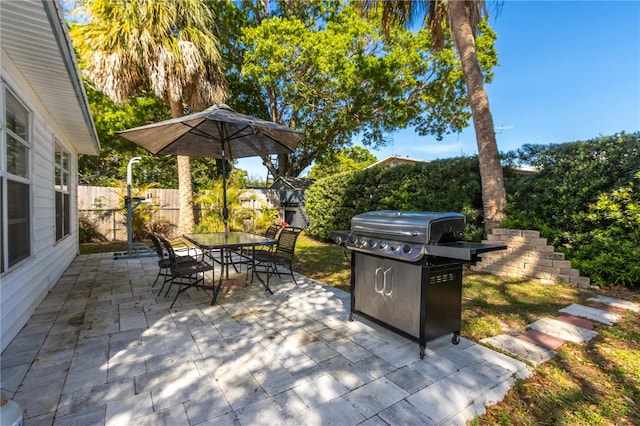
(26, 285)
(44, 199)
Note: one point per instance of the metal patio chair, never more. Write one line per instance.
(283, 255)
(271, 233)
(186, 274)
(163, 259)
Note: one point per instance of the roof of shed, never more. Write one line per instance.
(292, 183)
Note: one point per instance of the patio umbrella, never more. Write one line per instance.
(217, 132)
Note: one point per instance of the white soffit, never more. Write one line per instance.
(34, 35)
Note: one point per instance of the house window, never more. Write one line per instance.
(61, 179)
(15, 173)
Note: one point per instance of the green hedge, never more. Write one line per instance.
(441, 185)
(584, 198)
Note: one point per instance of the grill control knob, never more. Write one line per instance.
(383, 244)
(372, 243)
(394, 247)
(406, 248)
(353, 239)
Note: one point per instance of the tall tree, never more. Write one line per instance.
(342, 160)
(321, 68)
(168, 46)
(462, 19)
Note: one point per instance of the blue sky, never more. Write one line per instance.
(569, 71)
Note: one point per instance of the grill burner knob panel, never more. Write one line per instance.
(391, 248)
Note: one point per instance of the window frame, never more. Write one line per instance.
(62, 188)
(6, 263)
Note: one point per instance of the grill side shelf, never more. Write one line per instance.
(462, 250)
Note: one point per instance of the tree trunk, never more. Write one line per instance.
(185, 221)
(493, 193)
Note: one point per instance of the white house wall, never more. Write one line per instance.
(25, 286)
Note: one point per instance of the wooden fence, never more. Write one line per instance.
(105, 206)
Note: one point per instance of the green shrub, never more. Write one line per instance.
(266, 217)
(570, 177)
(441, 185)
(88, 231)
(610, 251)
(161, 226)
(327, 205)
(584, 200)
(211, 202)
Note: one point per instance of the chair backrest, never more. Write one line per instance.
(287, 241)
(272, 231)
(169, 248)
(156, 244)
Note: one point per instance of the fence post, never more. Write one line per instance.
(113, 223)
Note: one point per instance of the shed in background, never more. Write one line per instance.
(292, 200)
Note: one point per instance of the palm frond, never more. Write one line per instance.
(435, 13)
(168, 45)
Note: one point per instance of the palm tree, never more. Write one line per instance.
(463, 18)
(167, 45)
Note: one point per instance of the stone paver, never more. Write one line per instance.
(595, 314)
(541, 339)
(104, 348)
(617, 303)
(563, 330)
(530, 352)
(577, 321)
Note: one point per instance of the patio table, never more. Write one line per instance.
(226, 242)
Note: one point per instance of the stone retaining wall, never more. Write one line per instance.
(528, 256)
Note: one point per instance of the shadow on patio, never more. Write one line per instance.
(103, 348)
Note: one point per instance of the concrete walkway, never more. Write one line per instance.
(103, 349)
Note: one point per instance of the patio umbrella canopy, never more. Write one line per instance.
(217, 132)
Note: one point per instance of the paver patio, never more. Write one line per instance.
(103, 349)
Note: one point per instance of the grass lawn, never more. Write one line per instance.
(597, 383)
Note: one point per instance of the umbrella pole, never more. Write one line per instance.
(225, 211)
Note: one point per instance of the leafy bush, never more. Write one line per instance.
(610, 251)
(266, 217)
(88, 231)
(327, 205)
(584, 200)
(570, 176)
(441, 185)
(211, 202)
(161, 226)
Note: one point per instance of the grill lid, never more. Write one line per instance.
(414, 227)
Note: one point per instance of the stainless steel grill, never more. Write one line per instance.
(406, 271)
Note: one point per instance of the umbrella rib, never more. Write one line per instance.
(198, 132)
(237, 134)
(278, 142)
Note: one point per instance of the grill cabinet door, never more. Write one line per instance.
(388, 291)
(442, 300)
